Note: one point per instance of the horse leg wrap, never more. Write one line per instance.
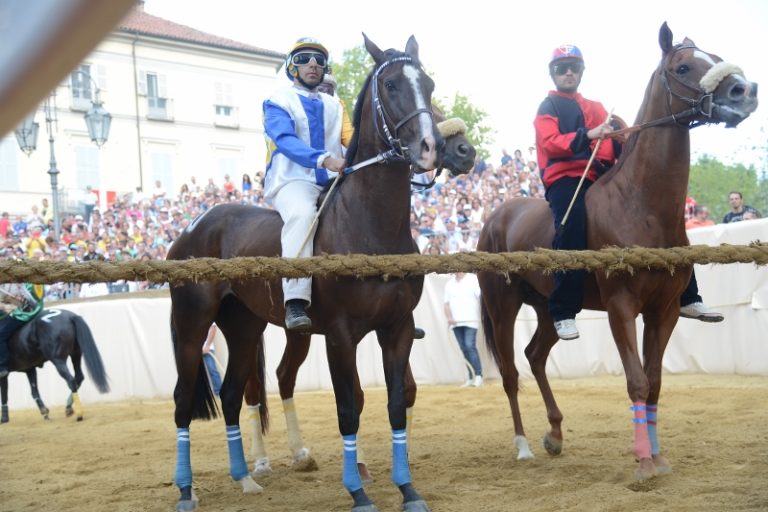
(401, 473)
(351, 476)
(295, 442)
(258, 451)
(77, 406)
(651, 414)
(183, 477)
(237, 466)
(642, 442)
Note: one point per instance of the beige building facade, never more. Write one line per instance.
(183, 103)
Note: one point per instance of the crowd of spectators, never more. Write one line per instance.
(445, 219)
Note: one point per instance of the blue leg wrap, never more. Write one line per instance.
(401, 473)
(237, 466)
(351, 476)
(183, 476)
(651, 415)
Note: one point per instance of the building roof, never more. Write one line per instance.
(140, 22)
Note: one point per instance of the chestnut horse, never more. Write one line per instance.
(457, 155)
(368, 213)
(639, 202)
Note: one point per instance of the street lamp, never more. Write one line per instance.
(97, 120)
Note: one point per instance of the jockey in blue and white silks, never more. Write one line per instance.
(303, 131)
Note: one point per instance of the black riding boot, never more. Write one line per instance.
(296, 318)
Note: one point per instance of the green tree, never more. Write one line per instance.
(350, 74)
(711, 181)
(478, 133)
(353, 69)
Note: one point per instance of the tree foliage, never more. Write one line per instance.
(711, 181)
(350, 74)
(354, 67)
(478, 133)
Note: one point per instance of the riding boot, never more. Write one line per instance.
(296, 318)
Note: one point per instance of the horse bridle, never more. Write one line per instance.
(699, 107)
(380, 120)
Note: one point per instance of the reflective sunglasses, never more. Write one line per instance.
(562, 68)
(303, 58)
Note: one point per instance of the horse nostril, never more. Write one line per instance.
(462, 150)
(737, 92)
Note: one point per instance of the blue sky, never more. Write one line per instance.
(496, 53)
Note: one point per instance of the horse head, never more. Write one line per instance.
(400, 98)
(457, 154)
(701, 87)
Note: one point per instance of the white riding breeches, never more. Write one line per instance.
(296, 201)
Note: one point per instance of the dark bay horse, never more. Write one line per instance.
(457, 156)
(55, 335)
(369, 213)
(640, 202)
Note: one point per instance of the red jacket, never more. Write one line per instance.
(562, 146)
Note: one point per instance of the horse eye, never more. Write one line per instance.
(683, 69)
(389, 85)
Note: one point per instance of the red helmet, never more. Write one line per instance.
(566, 51)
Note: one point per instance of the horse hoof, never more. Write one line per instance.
(4, 419)
(303, 461)
(79, 418)
(262, 467)
(249, 485)
(645, 470)
(186, 505)
(68, 412)
(415, 506)
(553, 445)
(663, 467)
(523, 450)
(365, 508)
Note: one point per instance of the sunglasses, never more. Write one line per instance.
(561, 69)
(303, 58)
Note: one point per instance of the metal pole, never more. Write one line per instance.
(53, 172)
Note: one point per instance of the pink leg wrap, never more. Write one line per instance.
(642, 441)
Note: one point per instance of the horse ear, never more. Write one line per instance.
(373, 50)
(665, 38)
(412, 48)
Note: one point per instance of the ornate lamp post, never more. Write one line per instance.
(97, 120)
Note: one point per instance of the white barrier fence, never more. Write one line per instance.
(134, 339)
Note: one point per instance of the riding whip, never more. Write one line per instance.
(583, 176)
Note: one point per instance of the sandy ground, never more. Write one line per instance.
(121, 458)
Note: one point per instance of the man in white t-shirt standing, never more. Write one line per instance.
(461, 303)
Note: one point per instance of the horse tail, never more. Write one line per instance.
(204, 405)
(490, 341)
(260, 368)
(84, 338)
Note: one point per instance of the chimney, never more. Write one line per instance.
(140, 5)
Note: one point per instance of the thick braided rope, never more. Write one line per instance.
(611, 259)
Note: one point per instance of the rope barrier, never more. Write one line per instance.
(610, 259)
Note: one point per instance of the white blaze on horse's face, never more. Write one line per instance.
(428, 154)
(704, 56)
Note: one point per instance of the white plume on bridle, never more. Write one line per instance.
(717, 73)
